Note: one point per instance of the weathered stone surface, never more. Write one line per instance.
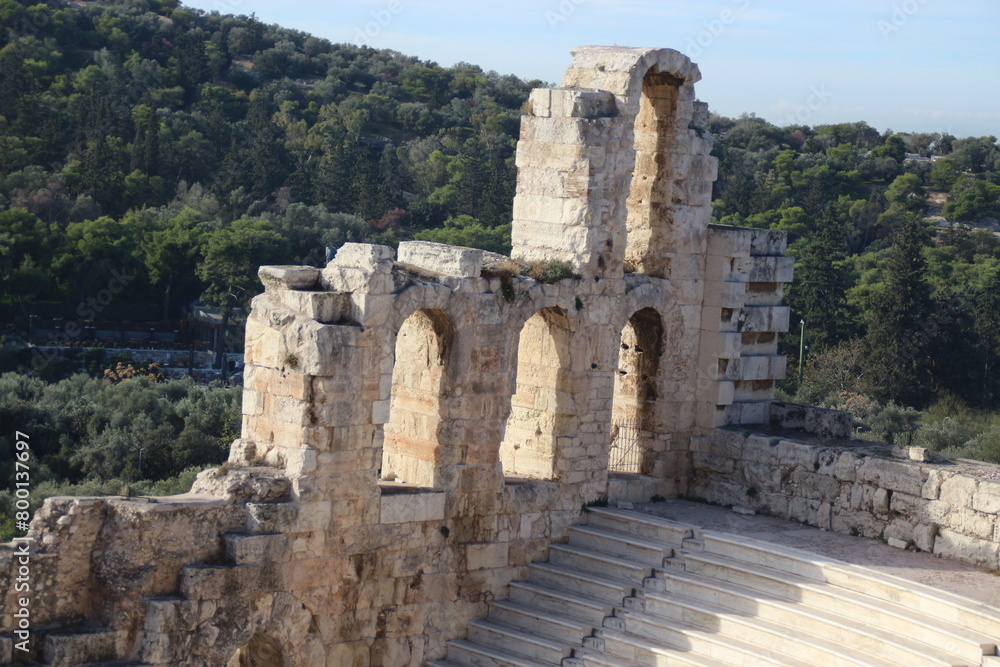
(243, 484)
(288, 277)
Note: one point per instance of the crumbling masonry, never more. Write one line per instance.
(419, 426)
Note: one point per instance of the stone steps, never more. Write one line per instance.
(501, 636)
(590, 560)
(539, 621)
(630, 589)
(693, 646)
(587, 584)
(818, 621)
(869, 612)
(688, 621)
(620, 544)
(591, 610)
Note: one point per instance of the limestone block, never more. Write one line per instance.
(815, 486)
(561, 130)
(720, 345)
(892, 475)
(411, 507)
(364, 256)
(353, 279)
(733, 269)
(767, 242)
(771, 270)
(803, 510)
(722, 442)
(761, 476)
(827, 423)
(272, 518)
(576, 103)
(896, 542)
(539, 103)
(729, 242)
(763, 318)
(561, 157)
(257, 484)
(972, 522)
(717, 464)
(765, 294)
(725, 294)
(932, 488)
(325, 307)
(958, 491)
(288, 277)
(486, 556)
(300, 461)
(757, 367)
(751, 412)
(964, 547)
(441, 258)
(756, 391)
(987, 497)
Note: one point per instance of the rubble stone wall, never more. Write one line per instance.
(841, 488)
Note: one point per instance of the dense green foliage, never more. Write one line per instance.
(183, 148)
(91, 435)
(896, 309)
(179, 150)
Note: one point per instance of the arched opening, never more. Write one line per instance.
(260, 651)
(411, 443)
(541, 409)
(649, 202)
(633, 445)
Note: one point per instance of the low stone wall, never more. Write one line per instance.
(931, 506)
(820, 421)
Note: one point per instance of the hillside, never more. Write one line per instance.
(179, 151)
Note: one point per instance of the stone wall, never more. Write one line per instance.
(848, 489)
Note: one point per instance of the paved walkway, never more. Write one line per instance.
(950, 575)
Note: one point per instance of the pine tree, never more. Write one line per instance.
(901, 323)
(819, 296)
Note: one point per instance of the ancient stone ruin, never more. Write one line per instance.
(421, 425)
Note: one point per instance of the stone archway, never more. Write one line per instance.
(636, 393)
(411, 438)
(649, 204)
(541, 408)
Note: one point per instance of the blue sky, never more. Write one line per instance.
(908, 65)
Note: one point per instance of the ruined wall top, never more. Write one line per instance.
(614, 168)
(621, 70)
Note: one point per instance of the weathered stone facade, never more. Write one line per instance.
(940, 508)
(421, 425)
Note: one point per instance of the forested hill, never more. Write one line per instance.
(187, 148)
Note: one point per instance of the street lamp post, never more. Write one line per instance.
(802, 347)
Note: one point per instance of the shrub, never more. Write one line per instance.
(942, 435)
(893, 424)
(551, 271)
